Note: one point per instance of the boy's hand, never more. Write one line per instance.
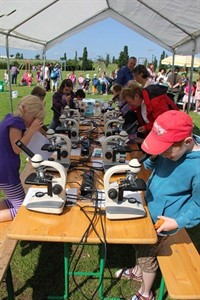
(165, 224)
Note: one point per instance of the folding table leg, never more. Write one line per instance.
(9, 285)
(161, 289)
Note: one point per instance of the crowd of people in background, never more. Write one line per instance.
(101, 83)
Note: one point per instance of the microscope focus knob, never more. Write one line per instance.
(57, 189)
(73, 133)
(108, 155)
(108, 133)
(64, 153)
(112, 194)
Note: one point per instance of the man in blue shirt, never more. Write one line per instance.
(126, 73)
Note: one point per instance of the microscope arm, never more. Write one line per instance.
(73, 121)
(66, 139)
(75, 114)
(106, 126)
(133, 166)
(107, 140)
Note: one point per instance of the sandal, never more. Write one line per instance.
(127, 274)
(138, 296)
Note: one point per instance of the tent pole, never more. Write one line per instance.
(191, 75)
(43, 68)
(173, 60)
(9, 75)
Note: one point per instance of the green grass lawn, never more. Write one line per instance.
(38, 267)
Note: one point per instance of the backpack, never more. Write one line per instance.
(95, 82)
(54, 73)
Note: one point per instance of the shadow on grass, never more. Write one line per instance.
(47, 277)
(43, 273)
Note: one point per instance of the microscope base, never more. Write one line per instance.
(46, 204)
(127, 211)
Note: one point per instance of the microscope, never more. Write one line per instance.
(63, 128)
(113, 126)
(61, 144)
(71, 113)
(114, 150)
(71, 126)
(53, 199)
(123, 198)
(111, 115)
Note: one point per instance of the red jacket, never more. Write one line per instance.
(157, 102)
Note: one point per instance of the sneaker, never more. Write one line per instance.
(127, 274)
(138, 296)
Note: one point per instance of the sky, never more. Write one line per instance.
(102, 38)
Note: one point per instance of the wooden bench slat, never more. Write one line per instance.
(7, 248)
(179, 263)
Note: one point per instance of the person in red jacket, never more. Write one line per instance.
(149, 103)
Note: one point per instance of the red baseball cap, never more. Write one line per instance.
(170, 127)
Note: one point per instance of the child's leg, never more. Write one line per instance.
(5, 214)
(15, 196)
(147, 261)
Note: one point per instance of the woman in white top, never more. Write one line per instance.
(142, 76)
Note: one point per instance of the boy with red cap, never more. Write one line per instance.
(173, 190)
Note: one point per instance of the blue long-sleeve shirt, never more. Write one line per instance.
(173, 189)
(124, 75)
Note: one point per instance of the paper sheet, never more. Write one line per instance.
(36, 143)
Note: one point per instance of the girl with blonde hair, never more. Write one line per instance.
(21, 125)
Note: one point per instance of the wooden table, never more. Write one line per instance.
(70, 226)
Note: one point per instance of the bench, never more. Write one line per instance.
(7, 248)
(179, 263)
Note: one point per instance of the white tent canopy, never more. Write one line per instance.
(181, 60)
(40, 25)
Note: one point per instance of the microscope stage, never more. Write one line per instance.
(112, 164)
(64, 164)
(33, 179)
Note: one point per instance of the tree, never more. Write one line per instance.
(155, 63)
(37, 56)
(64, 57)
(126, 56)
(163, 55)
(107, 61)
(123, 57)
(76, 60)
(84, 59)
(17, 55)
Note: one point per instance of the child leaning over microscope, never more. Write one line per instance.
(21, 125)
(173, 191)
